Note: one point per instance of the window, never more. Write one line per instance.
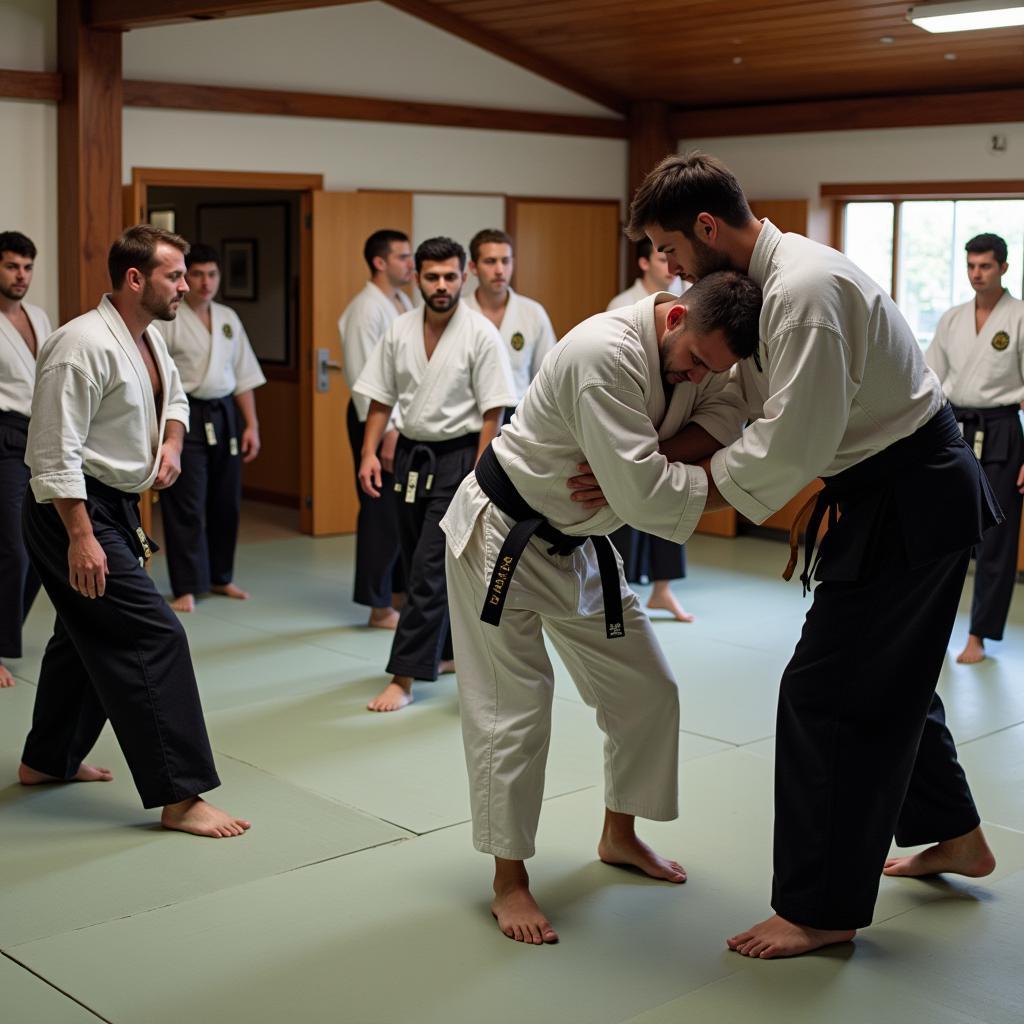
(914, 249)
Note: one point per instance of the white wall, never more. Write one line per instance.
(28, 35)
(794, 166)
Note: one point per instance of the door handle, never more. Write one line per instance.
(325, 365)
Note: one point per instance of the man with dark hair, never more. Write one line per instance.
(615, 385)
(523, 323)
(378, 579)
(445, 372)
(862, 748)
(108, 421)
(23, 329)
(219, 372)
(654, 277)
(978, 354)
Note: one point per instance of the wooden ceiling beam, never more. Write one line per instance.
(122, 15)
(30, 85)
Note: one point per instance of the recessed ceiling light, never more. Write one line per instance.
(887, 40)
(737, 60)
(949, 56)
(967, 15)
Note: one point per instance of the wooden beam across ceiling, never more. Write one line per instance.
(122, 15)
(30, 85)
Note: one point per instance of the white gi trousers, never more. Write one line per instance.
(506, 686)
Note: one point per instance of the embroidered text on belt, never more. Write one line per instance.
(421, 452)
(495, 483)
(975, 422)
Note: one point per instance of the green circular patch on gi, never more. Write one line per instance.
(1001, 341)
(518, 341)
(228, 333)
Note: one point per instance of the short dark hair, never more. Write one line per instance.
(988, 243)
(19, 244)
(437, 250)
(728, 301)
(379, 244)
(680, 188)
(136, 248)
(488, 236)
(200, 252)
(644, 248)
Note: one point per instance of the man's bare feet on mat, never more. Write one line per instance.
(514, 907)
(968, 855)
(199, 818)
(395, 696)
(86, 773)
(662, 599)
(621, 847)
(973, 652)
(776, 937)
(230, 590)
(184, 603)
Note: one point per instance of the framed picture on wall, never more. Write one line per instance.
(240, 277)
(162, 217)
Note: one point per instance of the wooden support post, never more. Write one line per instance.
(650, 139)
(88, 157)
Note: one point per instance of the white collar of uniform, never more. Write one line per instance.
(474, 303)
(764, 249)
(17, 343)
(382, 298)
(119, 329)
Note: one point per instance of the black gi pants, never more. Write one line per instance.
(123, 656)
(19, 582)
(378, 559)
(201, 508)
(645, 556)
(862, 748)
(423, 636)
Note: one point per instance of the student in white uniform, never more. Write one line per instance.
(978, 354)
(444, 370)
(645, 556)
(523, 323)
(862, 748)
(108, 422)
(219, 372)
(23, 329)
(378, 578)
(616, 385)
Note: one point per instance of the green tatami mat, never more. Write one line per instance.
(26, 999)
(995, 770)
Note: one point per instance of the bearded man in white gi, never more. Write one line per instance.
(444, 370)
(108, 420)
(978, 354)
(378, 578)
(654, 277)
(524, 323)
(23, 329)
(615, 384)
(862, 748)
(219, 372)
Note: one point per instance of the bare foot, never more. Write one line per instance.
(184, 603)
(968, 855)
(446, 667)
(199, 818)
(395, 696)
(86, 773)
(973, 652)
(514, 907)
(778, 937)
(663, 599)
(383, 618)
(6, 679)
(230, 590)
(620, 846)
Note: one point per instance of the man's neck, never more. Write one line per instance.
(739, 244)
(135, 319)
(10, 307)
(485, 299)
(201, 307)
(437, 322)
(988, 300)
(385, 286)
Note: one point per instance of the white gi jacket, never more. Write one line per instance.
(843, 376)
(214, 363)
(980, 370)
(445, 397)
(361, 327)
(600, 398)
(528, 335)
(17, 365)
(636, 291)
(93, 411)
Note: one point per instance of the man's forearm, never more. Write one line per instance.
(489, 430)
(376, 421)
(715, 502)
(693, 444)
(246, 402)
(75, 517)
(174, 433)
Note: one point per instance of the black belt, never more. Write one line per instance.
(14, 419)
(127, 504)
(495, 483)
(428, 452)
(976, 422)
(205, 407)
(878, 469)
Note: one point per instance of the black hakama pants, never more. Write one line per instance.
(122, 657)
(19, 582)
(378, 559)
(423, 636)
(202, 507)
(863, 753)
(649, 558)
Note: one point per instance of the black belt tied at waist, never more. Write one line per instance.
(495, 483)
(127, 504)
(426, 452)
(976, 422)
(14, 419)
(205, 407)
(884, 466)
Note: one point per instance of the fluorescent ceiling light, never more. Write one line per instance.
(966, 16)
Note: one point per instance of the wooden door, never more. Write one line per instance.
(567, 255)
(336, 224)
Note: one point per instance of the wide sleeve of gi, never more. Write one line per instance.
(492, 372)
(377, 380)
(359, 328)
(248, 373)
(65, 401)
(620, 442)
(802, 423)
(546, 340)
(936, 355)
(720, 408)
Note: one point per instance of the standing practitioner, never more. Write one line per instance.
(978, 354)
(862, 748)
(654, 277)
(523, 323)
(378, 582)
(445, 370)
(108, 422)
(23, 329)
(219, 372)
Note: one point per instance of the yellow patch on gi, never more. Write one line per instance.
(1001, 341)
(518, 341)
(228, 332)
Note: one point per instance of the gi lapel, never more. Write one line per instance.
(198, 335)
(22, 357)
